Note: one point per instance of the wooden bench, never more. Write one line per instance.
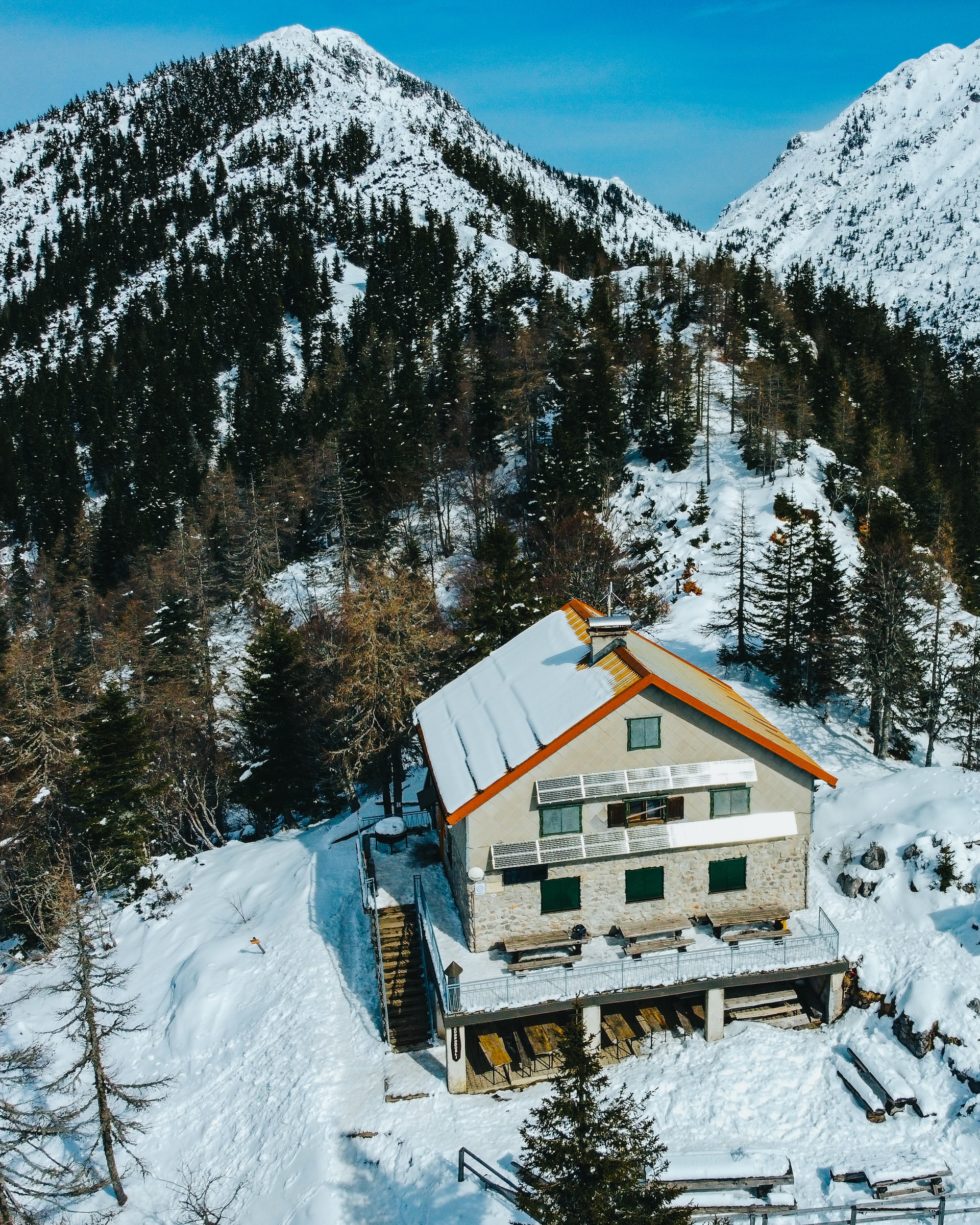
(893, 1090)
(867, 1097)
(773, 1170)
(754, 933)
(543, 963)
(636, 948)
(889, 1183)
(775, 915)
(554, 942)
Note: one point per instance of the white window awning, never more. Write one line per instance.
(614, 784)
(644, 840)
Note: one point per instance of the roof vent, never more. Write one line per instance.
(606, 633)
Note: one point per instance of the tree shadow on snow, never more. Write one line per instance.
(413, 1195)
(336, 914)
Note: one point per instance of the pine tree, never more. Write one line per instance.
(276, 746)
(781, 596)
(888, 656)
(966, 703)
(946, 871)
(589, 1158)
(112, 793)
(828, 652)
(734, 620)
(498, 597)
(701, 509)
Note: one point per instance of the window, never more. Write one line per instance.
(524, 876)
(731, 802)
(561, 819)
(643, 733)
(644, 884)
(563, 893)
(638, 812)
(726, 875)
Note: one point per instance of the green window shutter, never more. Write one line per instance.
(731, 801)
(726, 875)
(562, 893)
(561, 819)
(644, 884)
(643, 733)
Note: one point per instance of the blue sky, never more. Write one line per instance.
(689, 101)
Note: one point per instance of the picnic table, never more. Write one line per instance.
(552, 948)
(916, 1177)
(390, 831)
(657, 935)
(543, 1041)
(774, 916)
(754, 1170)
(619, 1033)
(496, 1055)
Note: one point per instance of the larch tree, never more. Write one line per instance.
(386, 649)
(37, 1168)
(588, 1157)
(95, 1018)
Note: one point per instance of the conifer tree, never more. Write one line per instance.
(274, 716)
(946, 871)
(588, 1157)
(781, 597)
(112, 793)
(701, 509)
(966, 703)
(827, 621)
(888, 656)
(498, 597)
(734, 620)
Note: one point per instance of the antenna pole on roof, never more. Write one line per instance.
(609, 600)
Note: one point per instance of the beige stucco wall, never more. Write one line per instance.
(775, 870)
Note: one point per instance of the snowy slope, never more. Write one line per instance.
(888, 191)
(281, 1082)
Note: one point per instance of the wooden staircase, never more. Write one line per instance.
(779, 1006)
(404, 978)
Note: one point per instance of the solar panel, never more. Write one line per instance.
(610, 784)
(569, 848)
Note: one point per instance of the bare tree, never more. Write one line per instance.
(97, 1014)
(202, 1199)
(32, 1176)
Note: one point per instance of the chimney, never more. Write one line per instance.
(605, 633)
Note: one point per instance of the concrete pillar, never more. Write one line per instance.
(714, 1014)
(456, 1059)
(592, 1024)
(833, 997)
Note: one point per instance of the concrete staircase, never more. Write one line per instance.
(404, 978)
(779, 1006)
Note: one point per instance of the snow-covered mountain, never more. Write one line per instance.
(889, 191)
(415, 128)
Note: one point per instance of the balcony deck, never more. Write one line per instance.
(486, 988)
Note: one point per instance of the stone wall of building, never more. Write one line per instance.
(775, 873)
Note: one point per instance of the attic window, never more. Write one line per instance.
(643, 733)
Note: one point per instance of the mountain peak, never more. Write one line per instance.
(886, 192)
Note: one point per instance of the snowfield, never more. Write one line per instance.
(281, 1083)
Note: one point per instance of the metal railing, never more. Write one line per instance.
(928, 1210)
(430, 945)
(424, 952)
(369, 900)
(489, 1176)
(593, 978)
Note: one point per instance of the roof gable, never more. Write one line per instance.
(536, 693)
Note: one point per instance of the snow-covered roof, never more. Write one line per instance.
(501, 711)
(506, 712)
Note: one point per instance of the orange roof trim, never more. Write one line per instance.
(631, 676)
